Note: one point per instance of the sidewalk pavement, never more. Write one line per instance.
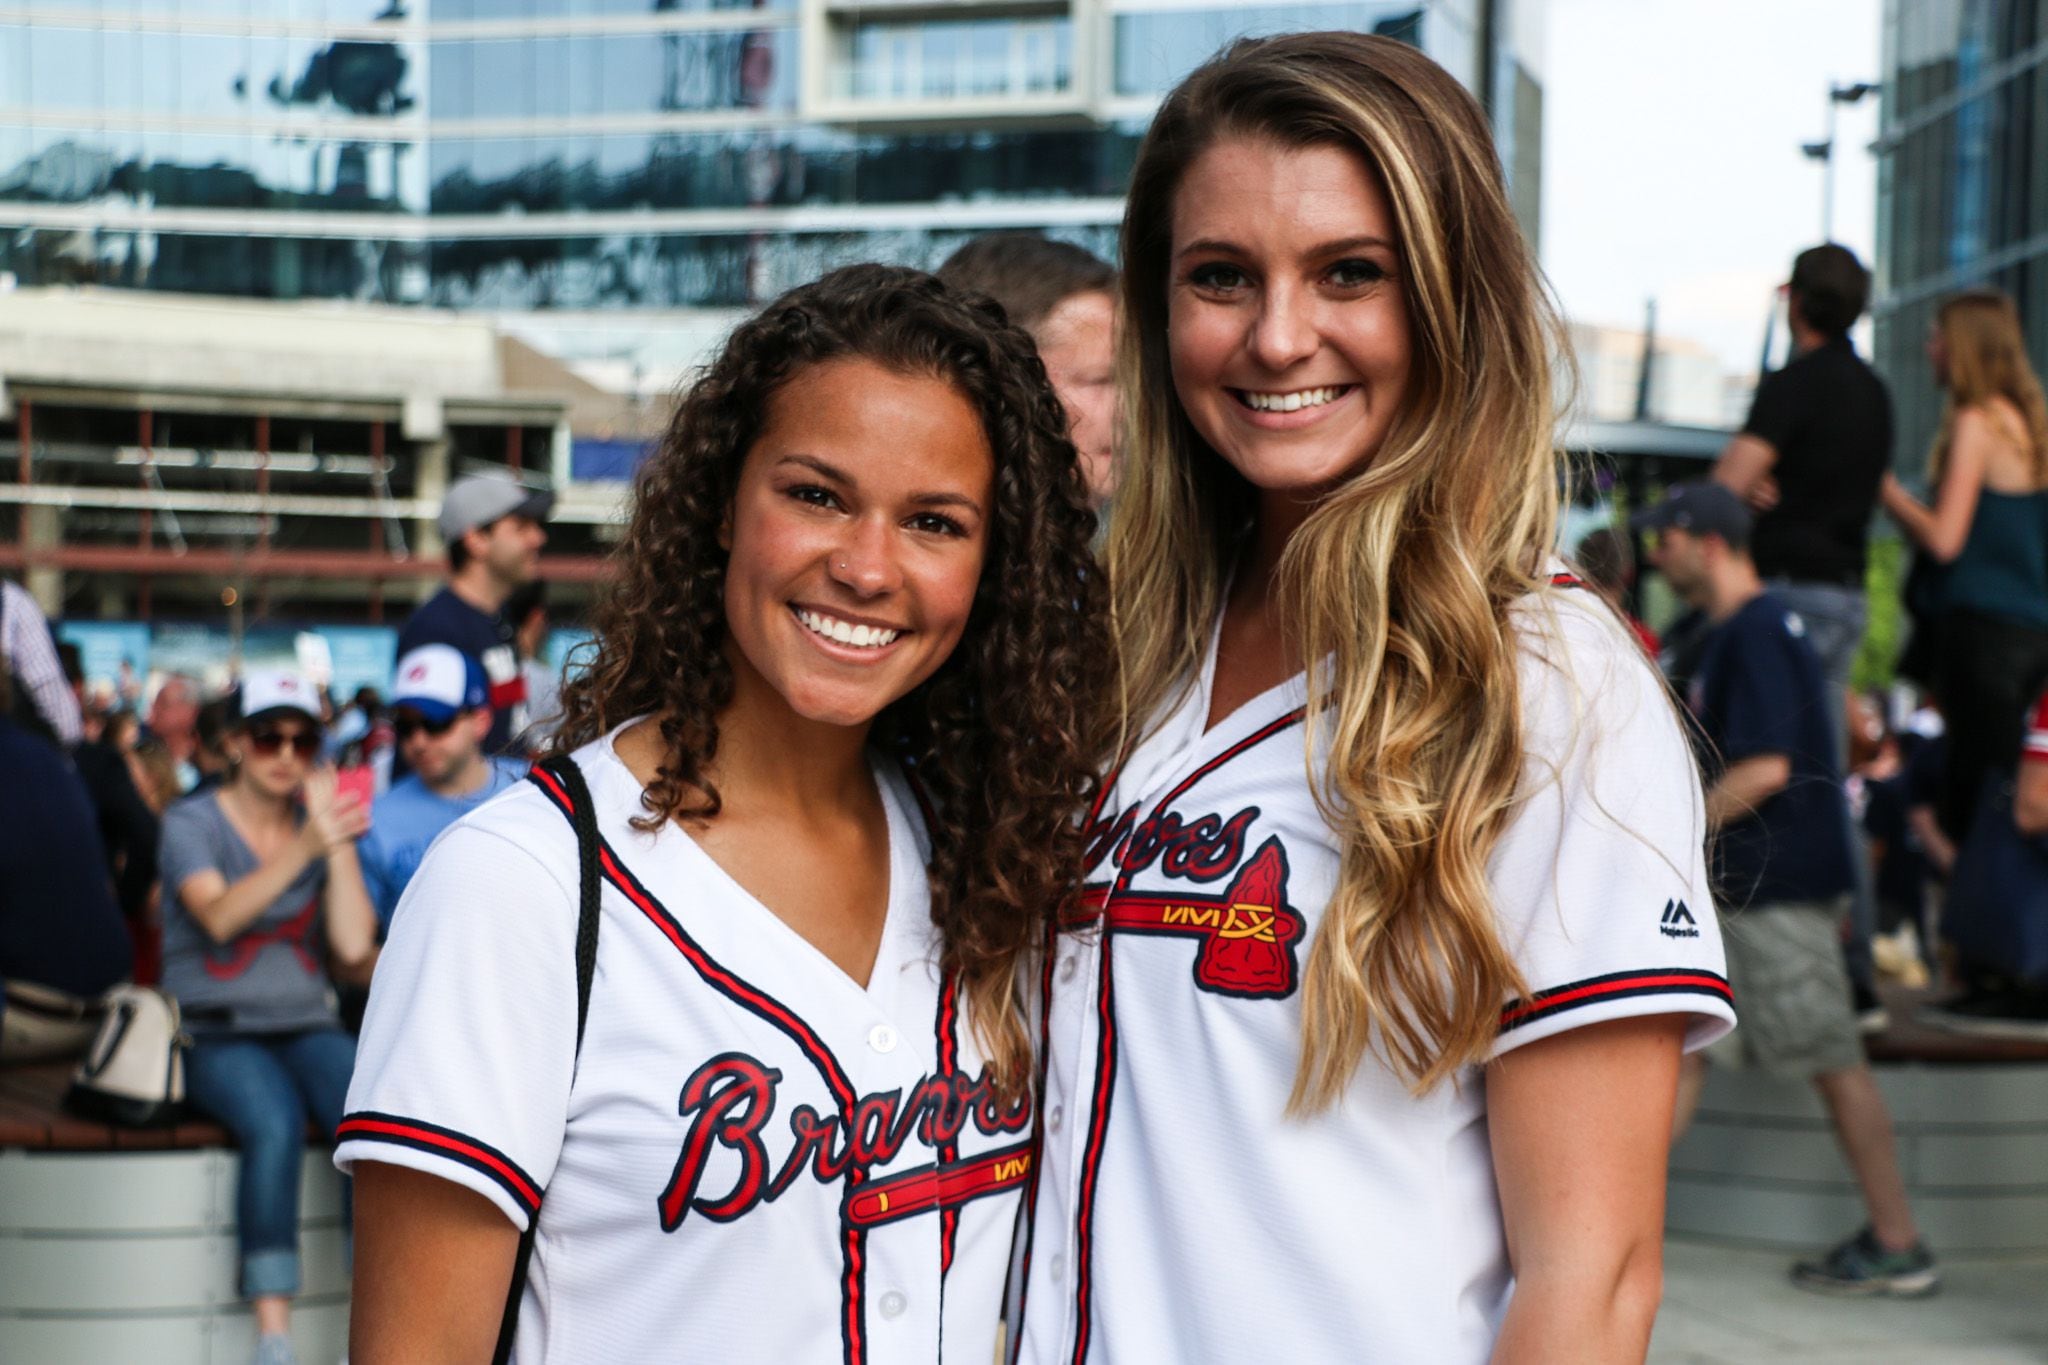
(1727, 1305)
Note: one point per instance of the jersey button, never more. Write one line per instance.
(893, 1304)
(882, 1038)
(1059, 1270)
(1056, 1118)
(1068, 966)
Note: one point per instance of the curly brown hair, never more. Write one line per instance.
(1003, 737)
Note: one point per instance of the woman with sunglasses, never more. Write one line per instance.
(263, 892)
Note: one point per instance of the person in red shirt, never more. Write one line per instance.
(1607, 562)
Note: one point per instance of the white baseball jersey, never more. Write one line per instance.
(754, 1157)
(1178, 1213)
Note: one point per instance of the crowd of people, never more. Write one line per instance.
(985, 647)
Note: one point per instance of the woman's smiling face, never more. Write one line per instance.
(857, 537)
(1287, 319)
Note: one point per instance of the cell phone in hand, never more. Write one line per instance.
(358, 781)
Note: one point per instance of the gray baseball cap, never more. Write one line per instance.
(480, 499)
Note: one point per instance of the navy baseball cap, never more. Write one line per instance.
(1701, 507)
(439, 681)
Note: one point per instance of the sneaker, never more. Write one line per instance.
(1871, 1015)
(274, 1348)
(1993, 1014)
(1861, 1266)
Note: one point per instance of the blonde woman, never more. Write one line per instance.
(1401, 923)
(1989, 526)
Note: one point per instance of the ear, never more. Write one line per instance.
(480, 723)
(725, 530)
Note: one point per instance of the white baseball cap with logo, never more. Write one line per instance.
(440, 680)
(278, 689)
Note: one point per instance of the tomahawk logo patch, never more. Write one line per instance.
(1248, 937)
(1678, 921)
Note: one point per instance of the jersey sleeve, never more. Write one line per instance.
(2035, 747)
(468, 1046)
(1600, 879)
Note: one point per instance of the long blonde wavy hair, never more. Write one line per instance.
(1400, 582)
(1987, 358)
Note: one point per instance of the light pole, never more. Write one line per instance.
(1824, 151)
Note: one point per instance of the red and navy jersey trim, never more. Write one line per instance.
(1106, 1048)
(949, 1151)
(754, 1000)
(369, 1126)
(1598, 990)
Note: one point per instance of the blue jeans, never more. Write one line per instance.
(262, 1088)
(1835, 618)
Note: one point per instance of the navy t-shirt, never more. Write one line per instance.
(1759, 690)
(445, 619)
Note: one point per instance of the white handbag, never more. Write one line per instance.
(134, 1073)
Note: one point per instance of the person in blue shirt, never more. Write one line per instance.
(1778, 820)
(440, 715)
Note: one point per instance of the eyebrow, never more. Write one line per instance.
(936, 498)
(1342, 244)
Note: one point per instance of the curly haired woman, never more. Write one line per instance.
(835, 738)
(1371, 1050)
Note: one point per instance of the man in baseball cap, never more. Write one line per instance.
(440, 714)
(492, 526)
(1700, 508)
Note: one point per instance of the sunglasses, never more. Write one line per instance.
(405, 727)
(304, 743)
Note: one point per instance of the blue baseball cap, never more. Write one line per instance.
(1701, 507)
(439, 681)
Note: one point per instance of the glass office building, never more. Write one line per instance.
(1962, 182)
(602, 154)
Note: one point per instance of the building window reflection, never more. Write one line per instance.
(600, 74)
(1155, 48)
(971, 59)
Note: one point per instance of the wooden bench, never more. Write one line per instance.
(118, 1244)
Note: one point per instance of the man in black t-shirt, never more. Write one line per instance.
(1811, 456)
(492, 524)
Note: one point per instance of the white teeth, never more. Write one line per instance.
(845, 632)
(1292, 402)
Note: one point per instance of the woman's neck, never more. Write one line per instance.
(255, 805)
(769, 754)
(1280, 516)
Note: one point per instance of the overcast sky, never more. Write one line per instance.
(1672, 167)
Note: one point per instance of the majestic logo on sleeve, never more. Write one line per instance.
(730, 1099)
(1248, 937)
(1678, 921)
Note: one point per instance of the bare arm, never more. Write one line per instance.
(1581, 1130)
(1746, 785)
(1934, 840)
(1745, 468)
(224, 909)
(2030, 798)
(351, 919)
(1943, 529)
(433, 1265)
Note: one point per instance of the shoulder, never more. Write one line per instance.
(398, 795)
(1567, 630)
(190, 814)
(522, 822)
(1580, 668)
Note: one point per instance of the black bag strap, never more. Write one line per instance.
(583, 817)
